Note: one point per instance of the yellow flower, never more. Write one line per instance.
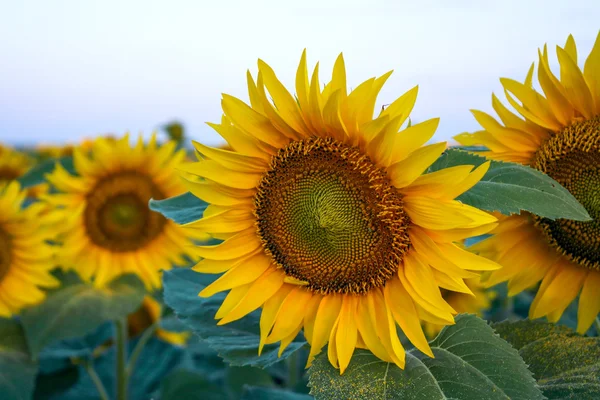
(476, 302)
(148, 314)
(559, 134)
(25, 257)
(13, 164)
(329, 223)
(108, 228)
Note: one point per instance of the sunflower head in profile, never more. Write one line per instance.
(25, 257)
(108, 229)
(149, 314)
(558, 133)
(474, 301)
(330, 223)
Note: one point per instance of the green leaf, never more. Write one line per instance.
(37, 174)
(12, 336)
(17, 371)
(509, 188)
(471, 362)
(181, 209)
(17, 375)
(236, 342)
(78, 309)
(259, 393)
(565, 364)
(237, 377)
(189, 385)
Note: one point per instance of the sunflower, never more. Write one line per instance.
(328, 221)
(476, 301)
(150, 313)
(13, 164)
(558, 134)
(25, 257)
(109, 229)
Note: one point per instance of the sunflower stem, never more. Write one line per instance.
(597, 325)
(293, 370)
(89, 367)
(121, 364)
(139, 347)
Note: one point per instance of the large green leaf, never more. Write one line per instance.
(17, 371)
(37, 174)
(236, 342)
(565, 364)
(260, 393)
(181, 209)
(471, 362)
(79, 308)
(509, 188)
(190, 385)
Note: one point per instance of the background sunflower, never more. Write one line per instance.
(25, 256)
(559, 135)
(108, 228)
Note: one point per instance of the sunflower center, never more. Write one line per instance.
(328, 216)
(5, 253)
(117, 216)
(8, 174)
(572, 158)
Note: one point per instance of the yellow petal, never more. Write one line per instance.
(224, 222)
(466, 259)
(406, 171)
(444, 214)
(237, 246)
(260, 291)
(561, 291)
(327, 314)
(210, 169)
(243, 273)
(220, 195)
(366, 324)
(410, 139)
(252, 122)
(346, 335)
(589, 302)
(575, 86)
(284, 101)
(292, 310)
(232, 160)
(404, 312)
(591, 73)
(270, 312)
(535, 107)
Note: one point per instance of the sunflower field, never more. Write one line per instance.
(329, 250)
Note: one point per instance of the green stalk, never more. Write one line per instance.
(121, 364)
(597, 325)
(89, 367)
(139, 347)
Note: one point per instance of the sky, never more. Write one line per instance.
(74, 69)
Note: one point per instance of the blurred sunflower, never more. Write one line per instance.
(25, 257)
(330, 224)
(559, 135)
(109, 229)
(475, 302)
(13, 164)
(148, 314)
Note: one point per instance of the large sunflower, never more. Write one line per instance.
(25, 256)
(329, 223)
(559, 134)
(108, 228)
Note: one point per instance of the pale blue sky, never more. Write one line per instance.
(70, 69)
